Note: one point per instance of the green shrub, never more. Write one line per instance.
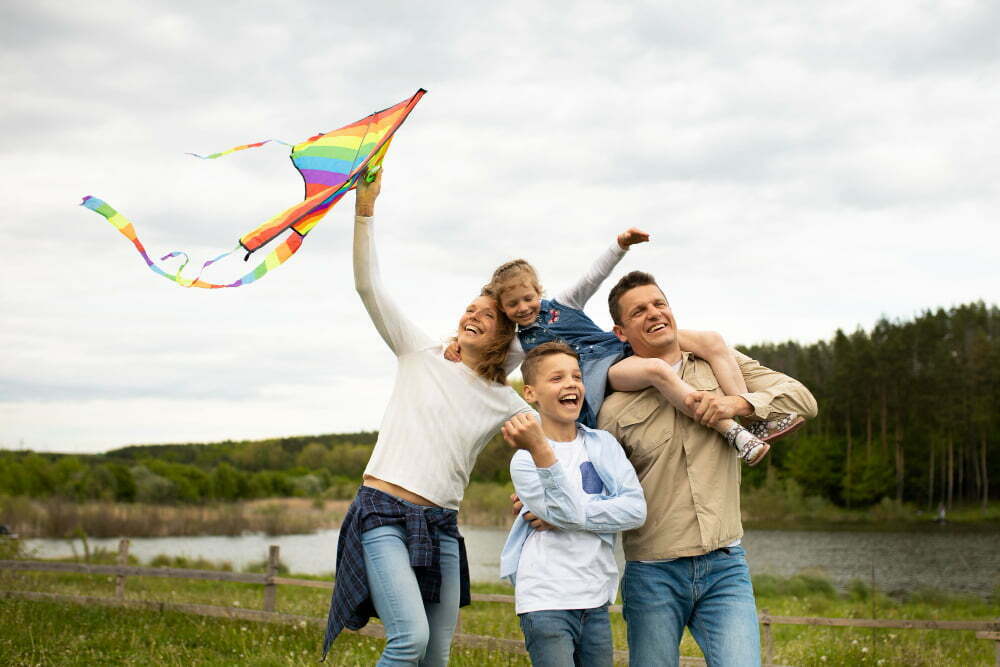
(260, 567)
(888, 509)
(342, 488)
(185, 563)
(858, 590)
(487, 504)
(11, 548)
(799, 585)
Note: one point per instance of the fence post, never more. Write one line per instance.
(765, 620)
(122, 561)
(996, 642)
(271, 588)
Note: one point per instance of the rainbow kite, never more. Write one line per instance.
(330, 164)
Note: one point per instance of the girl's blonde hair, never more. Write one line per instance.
(514, 272)
(490, 366)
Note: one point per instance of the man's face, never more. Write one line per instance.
(647, 322)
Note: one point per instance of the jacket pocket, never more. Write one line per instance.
(703, 379)
(646, 426)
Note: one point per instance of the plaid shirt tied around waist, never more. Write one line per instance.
(351, 605)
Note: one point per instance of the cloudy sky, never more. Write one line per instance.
(801, 166)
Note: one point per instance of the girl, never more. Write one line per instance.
(605, 360)
(400, 555)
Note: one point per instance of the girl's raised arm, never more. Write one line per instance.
(578, 295)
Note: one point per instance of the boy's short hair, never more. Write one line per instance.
(629, 281)
(535, 355)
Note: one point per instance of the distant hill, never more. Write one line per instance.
(209, 454)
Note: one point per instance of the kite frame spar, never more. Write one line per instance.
(326, 182)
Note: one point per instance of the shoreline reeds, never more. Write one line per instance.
(60, 518)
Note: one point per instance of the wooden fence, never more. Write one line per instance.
(988, 630)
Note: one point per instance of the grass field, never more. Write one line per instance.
(48, 633)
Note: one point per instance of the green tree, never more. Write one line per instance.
(125, 491)
(817, 464)
(225, 482)
(152, 488)
(313, 456)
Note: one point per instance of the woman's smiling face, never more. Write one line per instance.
(477, 327)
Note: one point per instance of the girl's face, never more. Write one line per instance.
(477, 327)
(521, 303)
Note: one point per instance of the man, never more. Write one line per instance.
(685, 567)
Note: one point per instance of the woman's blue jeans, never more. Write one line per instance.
(568, 637)
(416, 633)
(710, 594)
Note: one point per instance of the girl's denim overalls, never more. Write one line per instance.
(599, 350)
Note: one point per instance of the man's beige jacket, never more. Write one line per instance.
(690, 476)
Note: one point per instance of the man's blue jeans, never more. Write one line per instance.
(710, 594)
(568, 637)
(416, 633)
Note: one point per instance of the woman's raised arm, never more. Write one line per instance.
(397, 331)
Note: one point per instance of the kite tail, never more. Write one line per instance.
(239, 148)
(276, 258)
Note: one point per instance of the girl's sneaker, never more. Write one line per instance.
(770, 430)
(749, 447)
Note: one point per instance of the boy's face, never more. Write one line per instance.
(557, 389)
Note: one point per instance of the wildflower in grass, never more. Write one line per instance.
(864, 649)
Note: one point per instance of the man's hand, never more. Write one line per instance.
(631, 236)
(366, 194)
(536, 523)
(453, 352)
(708, 408)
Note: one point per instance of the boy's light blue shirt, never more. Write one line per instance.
(545, 493)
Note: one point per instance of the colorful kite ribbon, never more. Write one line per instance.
(330, 165)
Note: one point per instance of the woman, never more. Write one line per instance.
(400, 555)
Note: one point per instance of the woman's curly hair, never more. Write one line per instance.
(490, 366)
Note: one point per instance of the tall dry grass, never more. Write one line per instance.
(62, 518)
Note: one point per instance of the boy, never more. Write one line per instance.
(578, 480)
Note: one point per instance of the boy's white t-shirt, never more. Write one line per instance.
(567, 569)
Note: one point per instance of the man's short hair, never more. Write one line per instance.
(628, 281)
(535, 355)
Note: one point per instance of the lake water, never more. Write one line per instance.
(965, 562)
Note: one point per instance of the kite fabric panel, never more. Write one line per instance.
(330, 164)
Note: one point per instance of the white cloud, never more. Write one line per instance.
(802, 167)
